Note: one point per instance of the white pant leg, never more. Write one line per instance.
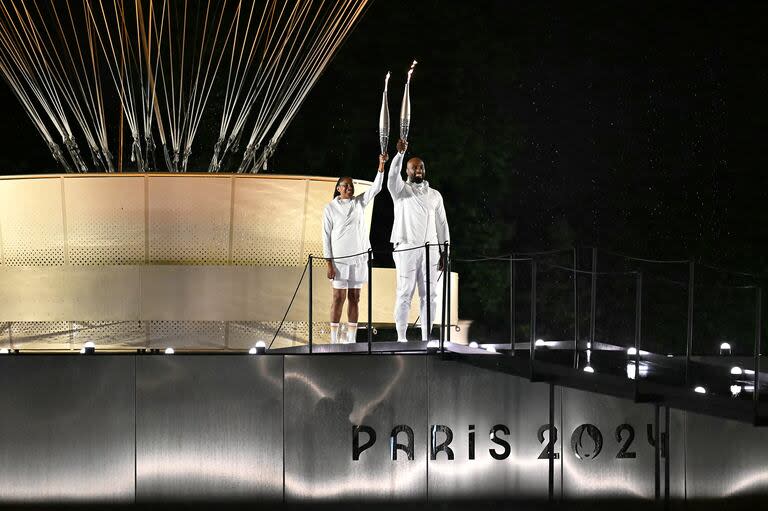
(434, 259)
(406, 264)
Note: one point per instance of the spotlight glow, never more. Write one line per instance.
(735, 390)
(631, 373)
(252, 351)
(589, 369)
(82, 350)
(169, 351)
(540, 342)
(473, 344)
(736, 370)
(633, 351)
(700, 390)
(725, 346)
(261, 344)
(89, 344)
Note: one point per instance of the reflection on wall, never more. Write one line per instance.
(334, 427)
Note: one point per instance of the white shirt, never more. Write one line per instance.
(419, 211)
(344, 231)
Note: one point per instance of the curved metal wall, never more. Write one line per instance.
(196, 261)
(195, 219)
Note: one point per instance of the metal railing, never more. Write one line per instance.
(631, 275)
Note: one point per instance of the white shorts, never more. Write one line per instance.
(350, 276)
(346, 284)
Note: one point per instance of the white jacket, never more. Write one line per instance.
(344, 231)
(419, 211)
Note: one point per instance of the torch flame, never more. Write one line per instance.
(410, 71)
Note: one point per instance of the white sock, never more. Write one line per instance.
(401, 328)
(351, 333)
(334, 333)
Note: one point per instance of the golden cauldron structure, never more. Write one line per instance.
(192, 261)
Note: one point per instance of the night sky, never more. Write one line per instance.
(633, 127)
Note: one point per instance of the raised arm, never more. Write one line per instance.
(378, 181)
(395, 182)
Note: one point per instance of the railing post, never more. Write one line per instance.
(309, 325)
(532, 347)
(443, 330)
(370, 300)
(638, 328)
(447, 264)
(689, 332)
(593, 299)
(575, 311)
(758, 348)
(513, 319)
(428, 277)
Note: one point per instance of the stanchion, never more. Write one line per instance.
(513, 319)
(442, 302)
(575, 312)
(758, 348)
(532, 347)
(593, 299)
(638, 328)
(309, 326)
(689, 332)
(428, 277)
(447, 264)
(370, 300)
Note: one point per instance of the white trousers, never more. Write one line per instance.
(411, 275)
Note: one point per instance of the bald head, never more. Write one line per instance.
(415, 170)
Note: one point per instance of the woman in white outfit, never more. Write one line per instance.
(344, 234)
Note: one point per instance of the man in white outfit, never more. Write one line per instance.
(419, 219)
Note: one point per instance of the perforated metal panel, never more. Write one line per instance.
(298, 332)
(105, 220)
(2, 254)
(186, 334)
(110, 334)
(33, 227)
(5, 335)
(268, 222)
(189, 220)
(243, 335)
(54, 335)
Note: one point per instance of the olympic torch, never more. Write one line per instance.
(405, 107)
(384, 119)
